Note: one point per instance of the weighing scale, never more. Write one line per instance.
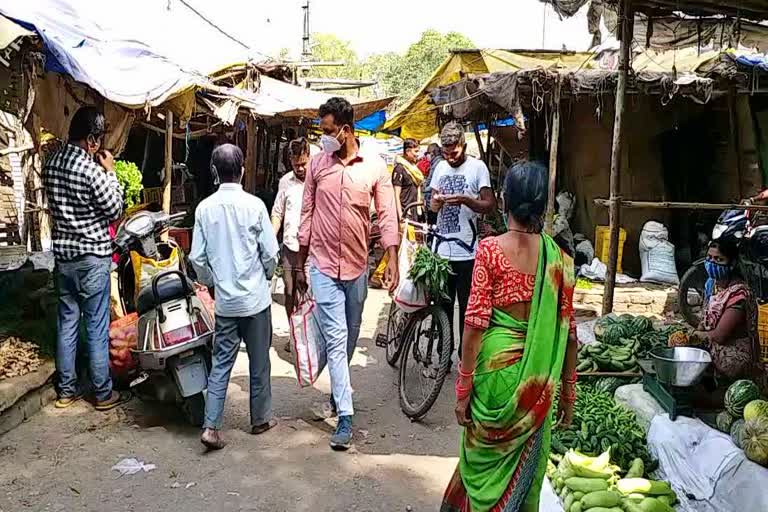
(675, 400)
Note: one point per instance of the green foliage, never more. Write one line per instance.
(430, 271)
(329, 48)
(129, 176)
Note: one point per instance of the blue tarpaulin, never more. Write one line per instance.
(758, 61)
(373, 122)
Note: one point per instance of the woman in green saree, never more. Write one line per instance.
(519, 345)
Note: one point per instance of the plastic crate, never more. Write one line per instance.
(762, 330)
(153, 195)
(603, 245)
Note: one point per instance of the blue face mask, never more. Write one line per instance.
(717, 271)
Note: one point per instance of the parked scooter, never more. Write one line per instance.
(733, 225)
(175, 331)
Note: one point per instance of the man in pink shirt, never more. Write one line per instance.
(333, 234)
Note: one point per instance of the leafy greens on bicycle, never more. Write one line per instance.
(430, 271)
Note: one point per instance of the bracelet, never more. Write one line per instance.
(462, 373)
(462, 392)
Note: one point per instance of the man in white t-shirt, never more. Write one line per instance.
(461, 192)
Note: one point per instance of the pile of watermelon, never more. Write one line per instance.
(746, 419)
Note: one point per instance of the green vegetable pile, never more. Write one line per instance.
(600, 424)
(593, 484)
(621, 342)
(129, 177)
(431, 272)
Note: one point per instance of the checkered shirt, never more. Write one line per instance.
(83, 200)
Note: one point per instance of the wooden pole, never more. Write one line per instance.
(479, 141)
(670, 205)
(168, 161)
(735, 137)
(554, 144)
(627, 17)
(249, 181)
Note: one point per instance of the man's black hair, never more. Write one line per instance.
(340, 109)
(87, 122)
(434, 149)
(298, 147)
(409, 144)
(227, 161)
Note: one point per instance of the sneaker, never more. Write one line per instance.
(341, 440)
(117, 398)
(67, 401)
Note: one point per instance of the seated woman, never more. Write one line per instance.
(519, 346)
(728, 328)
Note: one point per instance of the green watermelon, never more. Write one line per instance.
(755, 441)
(739, 394)
(737, 433)
(756, 409)
(724, 422)
(640, 325)
(613, 333)
(601, 324)
(626, 318)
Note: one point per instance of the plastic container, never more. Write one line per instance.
(603, 244)
(762, 331)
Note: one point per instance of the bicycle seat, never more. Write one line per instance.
(165, 287)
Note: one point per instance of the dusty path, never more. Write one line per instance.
(60, 461)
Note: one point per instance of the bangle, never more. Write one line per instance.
(462, 392)
(572, 379)
(462, 373)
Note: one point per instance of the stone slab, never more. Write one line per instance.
(13, 389)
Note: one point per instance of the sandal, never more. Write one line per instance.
(115, 400)
(265, 427)
(67, 401)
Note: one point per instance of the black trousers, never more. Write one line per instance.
(459, 285)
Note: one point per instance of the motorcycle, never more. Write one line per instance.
(175, 331)
(752, 242)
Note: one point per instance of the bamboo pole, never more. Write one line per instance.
(479, 141)
(554, 145)
(670, 205)
(627, 17)
(249, 181)
(168, 161)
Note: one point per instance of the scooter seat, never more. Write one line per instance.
(169, 287)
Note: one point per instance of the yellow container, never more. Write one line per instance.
(762, 331)
(603, 244)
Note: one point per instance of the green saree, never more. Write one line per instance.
(504, 453)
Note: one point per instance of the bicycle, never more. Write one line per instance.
(421, 340)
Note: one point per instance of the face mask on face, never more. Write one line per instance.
(717, 271)
(330, 143)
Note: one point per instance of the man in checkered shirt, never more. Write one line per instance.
(84, 197)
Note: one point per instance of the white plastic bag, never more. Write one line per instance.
(408, 297)
(308, 344)
(657, 255)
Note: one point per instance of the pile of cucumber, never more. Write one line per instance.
(593, 484)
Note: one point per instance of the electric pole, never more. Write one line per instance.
(306, 45)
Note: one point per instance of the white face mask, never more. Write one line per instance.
(330, 143)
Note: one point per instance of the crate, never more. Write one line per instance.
(762, 331)
(183, 237)
(153, 195)
(603, 244)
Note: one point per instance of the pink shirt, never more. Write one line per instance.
(335, 212)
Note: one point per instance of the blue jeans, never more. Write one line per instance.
(83, 286)
(340, 313)
(256, 331)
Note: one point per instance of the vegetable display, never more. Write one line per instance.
(756, 409)
(600, 424)
(129, 177)
(592, 484)
(739, 394)
(724, 422)
(430, 271)
(621, 341)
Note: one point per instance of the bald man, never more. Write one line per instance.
(234, 249)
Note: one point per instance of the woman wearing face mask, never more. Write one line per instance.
(728, 329)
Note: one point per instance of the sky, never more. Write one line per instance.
(392, 25)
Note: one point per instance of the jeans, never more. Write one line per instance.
(340, 313)
(83, 288)
(256, 331)
(459, 285)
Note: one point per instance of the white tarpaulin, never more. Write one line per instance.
(133, 53)
(708, 472)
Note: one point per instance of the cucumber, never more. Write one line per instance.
(641, 485)
(637, 469)
(654, 505)
(576, 507)
(578, 495)
(568, 502)
(605, 499)
(586, 485)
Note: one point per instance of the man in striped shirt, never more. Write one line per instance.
(84, 197)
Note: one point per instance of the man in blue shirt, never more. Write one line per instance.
(234, 249)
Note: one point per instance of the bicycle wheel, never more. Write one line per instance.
(395, 324)
(425, 361)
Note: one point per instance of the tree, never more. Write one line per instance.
(329, 48)
(403, 76)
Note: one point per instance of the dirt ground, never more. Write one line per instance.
(61, 460)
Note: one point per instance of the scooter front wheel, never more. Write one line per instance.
(193, 408)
